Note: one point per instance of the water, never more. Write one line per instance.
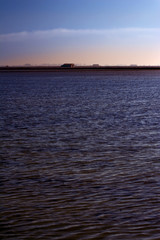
(80, 155)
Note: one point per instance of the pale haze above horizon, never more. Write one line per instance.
(105, 32)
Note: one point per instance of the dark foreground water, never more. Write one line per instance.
(80, 155)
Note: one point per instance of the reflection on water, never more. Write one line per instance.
(80, 155)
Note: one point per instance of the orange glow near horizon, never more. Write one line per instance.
(117, 56)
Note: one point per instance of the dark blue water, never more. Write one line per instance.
(80, 155)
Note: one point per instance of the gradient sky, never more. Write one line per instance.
(108, 32)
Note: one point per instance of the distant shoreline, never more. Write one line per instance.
(75, 69)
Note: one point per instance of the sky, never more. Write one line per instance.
(84, 32)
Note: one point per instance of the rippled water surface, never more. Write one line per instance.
(80, 155)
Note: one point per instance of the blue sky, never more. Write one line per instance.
(107, 32)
